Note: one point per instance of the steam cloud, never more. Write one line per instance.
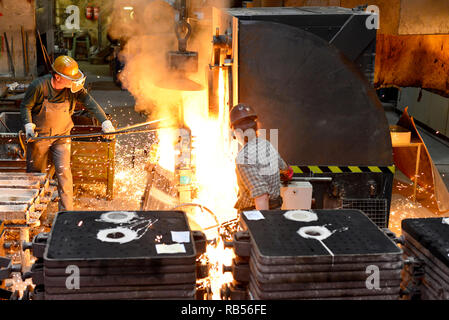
(148, 33)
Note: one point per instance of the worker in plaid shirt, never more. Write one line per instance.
(258, 164)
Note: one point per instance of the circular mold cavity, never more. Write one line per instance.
(301, 216)
(117, 235)
(314, 232)
(118, 216)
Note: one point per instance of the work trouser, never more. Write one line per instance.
(37, 161)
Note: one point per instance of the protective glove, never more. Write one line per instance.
(29, 130)
(286, 175)
(107, 126)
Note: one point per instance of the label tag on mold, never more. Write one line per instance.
(253, 215)
(170, 248)
(180, 236)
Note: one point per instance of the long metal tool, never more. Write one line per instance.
(140, 125)
(10, 61)
(24, 52)
(125, 130)
(47, 58)
(90, 135)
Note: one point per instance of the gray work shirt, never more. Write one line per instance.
(34, 98)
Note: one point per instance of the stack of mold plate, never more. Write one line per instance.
(427, 240)
(118, 255)
(320, 254)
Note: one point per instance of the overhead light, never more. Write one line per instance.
(128, 8)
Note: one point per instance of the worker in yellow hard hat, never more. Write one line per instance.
(46, 110)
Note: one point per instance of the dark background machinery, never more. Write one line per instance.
(307, 72)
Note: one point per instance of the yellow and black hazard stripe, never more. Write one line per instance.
(342, 169)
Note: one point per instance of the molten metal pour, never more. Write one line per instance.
(186, 186)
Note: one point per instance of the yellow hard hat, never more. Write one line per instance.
(68, 68)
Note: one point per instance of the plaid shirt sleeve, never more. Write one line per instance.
(282, 164)
(252, 180)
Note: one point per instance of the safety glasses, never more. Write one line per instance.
(77, 85)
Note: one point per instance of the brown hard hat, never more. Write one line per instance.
(241, 112)
(67, 67)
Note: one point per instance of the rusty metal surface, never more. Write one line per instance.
(412, 61)
(12, 165)
(424, 17)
